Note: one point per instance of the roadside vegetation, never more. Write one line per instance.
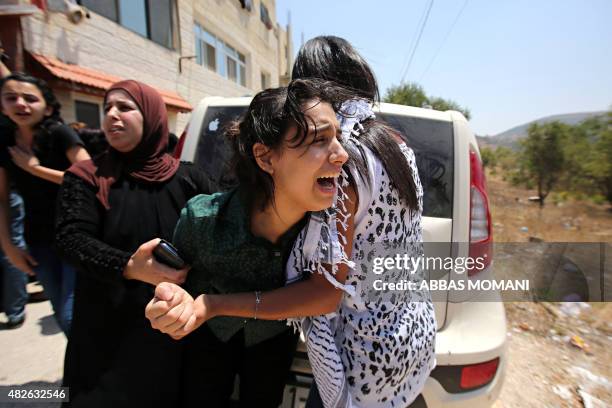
(560, 161)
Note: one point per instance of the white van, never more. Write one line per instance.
(471, 338)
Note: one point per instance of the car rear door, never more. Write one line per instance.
(431, 139)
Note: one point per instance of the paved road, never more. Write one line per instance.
(33, 354)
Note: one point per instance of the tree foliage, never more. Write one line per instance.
(599, 163)
(574, 160)
(413, 94)
(489, 159)
(543, 157)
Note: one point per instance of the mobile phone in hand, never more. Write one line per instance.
(167, 254)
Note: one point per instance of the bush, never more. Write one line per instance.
(598, 199)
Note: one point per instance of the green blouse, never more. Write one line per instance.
(213, 236)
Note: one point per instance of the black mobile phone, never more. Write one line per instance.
(167, 254)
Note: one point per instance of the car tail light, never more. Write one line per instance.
(181, 143)
(481, 237)
(477, 375)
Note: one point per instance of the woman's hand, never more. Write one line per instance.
(24, 158)
(20, 258)
(172, 311)
(142, 266)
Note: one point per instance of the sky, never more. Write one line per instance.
(508, 61)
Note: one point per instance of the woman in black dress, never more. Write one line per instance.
(110, 210)
(35, 149)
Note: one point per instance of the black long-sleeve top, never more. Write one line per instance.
(113, 354)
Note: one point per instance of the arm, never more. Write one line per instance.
(202, 183)
(169, 310)
(78, 227)
(17, 256)
(77, 153)
(30, 163)
(4, 71)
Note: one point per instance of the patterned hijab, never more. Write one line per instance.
(148, 161)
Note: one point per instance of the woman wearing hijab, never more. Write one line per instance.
(110, 210)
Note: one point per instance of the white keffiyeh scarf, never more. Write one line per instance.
(319, 246)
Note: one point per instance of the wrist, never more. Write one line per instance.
(206, 307)
(6, 245)
(128, 269)
(32, 168)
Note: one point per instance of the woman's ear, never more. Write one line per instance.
(48, 111)
(263, 157)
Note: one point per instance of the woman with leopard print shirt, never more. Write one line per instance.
(367, 349)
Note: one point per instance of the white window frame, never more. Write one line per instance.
(224, 55)
(266, 80)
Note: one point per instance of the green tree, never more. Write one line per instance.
(579, 153)
(409, 94)
(489, 160)
(506, 158)
(442, 104)
(413, 94)
(598, 165)
(543, 157)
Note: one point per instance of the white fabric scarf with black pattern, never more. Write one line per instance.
(316, 249)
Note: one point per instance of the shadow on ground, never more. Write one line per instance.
(48, 325)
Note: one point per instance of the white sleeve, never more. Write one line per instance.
(366, 190)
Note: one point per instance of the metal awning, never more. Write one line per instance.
(86, 79)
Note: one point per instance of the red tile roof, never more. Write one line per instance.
(100, 80)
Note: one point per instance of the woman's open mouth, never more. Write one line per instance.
(327, 184)
(115, 129)
(23, 115)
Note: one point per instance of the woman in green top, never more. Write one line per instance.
(287, 159)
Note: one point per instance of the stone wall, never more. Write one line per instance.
(101, 44)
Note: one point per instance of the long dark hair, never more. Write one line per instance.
(46, 125)
(267, 121)
(334, 59)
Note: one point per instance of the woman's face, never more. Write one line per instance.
(305, 177)
(123, 121)
(23, 103)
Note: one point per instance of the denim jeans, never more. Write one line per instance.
(15, 295)
(57, 278)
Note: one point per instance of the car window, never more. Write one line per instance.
(432, 142)
(214, 152)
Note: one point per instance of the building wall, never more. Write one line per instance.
(104, 45)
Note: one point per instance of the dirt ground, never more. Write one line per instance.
(560, 354)
(556, 360)
(570, 221)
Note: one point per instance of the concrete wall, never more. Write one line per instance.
(101, 44)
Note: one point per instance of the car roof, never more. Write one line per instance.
(382, 107)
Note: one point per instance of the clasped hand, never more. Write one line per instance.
(173, 311)
(142, 266)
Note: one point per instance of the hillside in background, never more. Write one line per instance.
(510, 137)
